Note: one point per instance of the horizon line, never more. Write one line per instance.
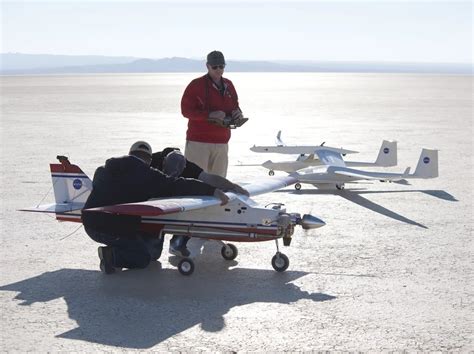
(379, 61)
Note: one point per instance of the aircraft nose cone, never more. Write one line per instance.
(311, 222)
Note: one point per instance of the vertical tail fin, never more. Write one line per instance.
(71, 190)
(387, 156)
(427, 166)
(278, 140)
(71, 185)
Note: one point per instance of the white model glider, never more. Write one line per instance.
(240, 220)
(335, 173)
(308, 157)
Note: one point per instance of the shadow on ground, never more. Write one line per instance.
(355, 195)
(139, 309)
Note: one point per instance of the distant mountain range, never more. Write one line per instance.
(32, 64)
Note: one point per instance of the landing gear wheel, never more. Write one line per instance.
(229, 251)
(186, 266)
(280, 262)
(340, 186)
(297, 186)
(271, 173)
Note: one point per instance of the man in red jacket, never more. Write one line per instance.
(211, 104)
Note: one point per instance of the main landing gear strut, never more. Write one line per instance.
(229, 252)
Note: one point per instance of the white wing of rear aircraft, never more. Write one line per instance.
(269, 184)
(330, 157)
(337, 168)
(282, 148)
(372, 175)
(294, 150)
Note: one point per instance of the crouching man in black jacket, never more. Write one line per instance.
(130, 179)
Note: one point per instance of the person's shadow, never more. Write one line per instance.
(139, 309)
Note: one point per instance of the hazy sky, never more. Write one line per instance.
(406, 31)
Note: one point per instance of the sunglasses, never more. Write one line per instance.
(215, 67)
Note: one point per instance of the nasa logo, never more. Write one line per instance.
(266, 221)
(77, 184)
(386, 150)
(426, 160)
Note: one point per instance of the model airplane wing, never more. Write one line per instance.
(372, 175)
(297, 150)
(267, 185)
(162, 206)
(282, 148)
(330, 157)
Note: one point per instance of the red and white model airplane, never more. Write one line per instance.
(240, 220)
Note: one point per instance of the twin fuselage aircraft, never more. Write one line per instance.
(325, 168)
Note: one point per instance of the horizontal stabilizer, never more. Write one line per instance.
(54, 208)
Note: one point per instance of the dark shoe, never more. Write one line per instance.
(106, 256)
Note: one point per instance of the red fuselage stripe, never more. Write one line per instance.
(156, 228)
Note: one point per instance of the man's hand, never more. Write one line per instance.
(239, 190)
(222, 196)
(238, 118)
(217, 118)
(237, 114)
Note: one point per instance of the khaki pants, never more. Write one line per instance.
(212, 158)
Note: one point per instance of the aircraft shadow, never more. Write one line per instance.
(354, 195)
(141, 308)
(434, 193)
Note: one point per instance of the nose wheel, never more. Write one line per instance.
(280, 262)
(297, 186)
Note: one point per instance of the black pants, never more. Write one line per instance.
(130, 252)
